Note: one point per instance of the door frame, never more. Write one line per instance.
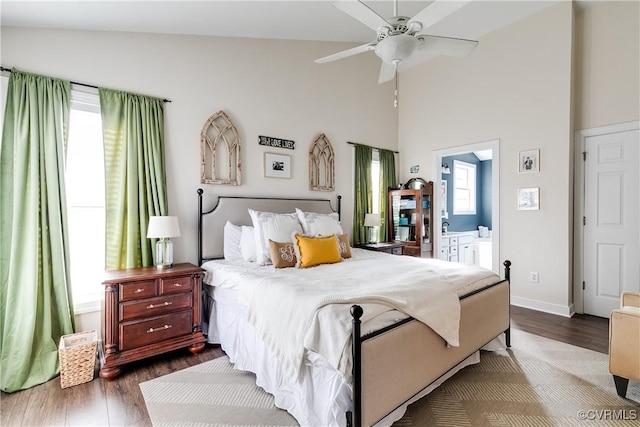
(579, 202)
(494, 145)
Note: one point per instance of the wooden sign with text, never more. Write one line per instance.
(276, 142)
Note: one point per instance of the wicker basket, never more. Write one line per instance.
(77, 358)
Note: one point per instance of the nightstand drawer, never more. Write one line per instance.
(397, 250)
(155, 306)
(175, 285)
(137, 290)
(138, 334)
(411, 251)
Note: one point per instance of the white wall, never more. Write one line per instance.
(607, 63)
(515, 87)
(267, 87)
(531, 85)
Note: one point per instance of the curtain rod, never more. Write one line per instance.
(375, 148)
(74, 83)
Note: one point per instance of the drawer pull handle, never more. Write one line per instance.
(139, 290)
(159, 329)
(177, 285)
(164, 304)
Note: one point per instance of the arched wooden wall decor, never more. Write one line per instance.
(321, 165)
(219, 151)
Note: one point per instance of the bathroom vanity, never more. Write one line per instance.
(466, 247)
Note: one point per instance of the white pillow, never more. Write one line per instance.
(231, 241)
(315, 224)
(248, 244)
(277, 227)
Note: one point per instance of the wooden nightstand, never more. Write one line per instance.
(394, 248)
(149, 311)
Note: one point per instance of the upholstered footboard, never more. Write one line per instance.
(397, 363)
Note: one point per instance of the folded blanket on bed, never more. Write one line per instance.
(289, 310)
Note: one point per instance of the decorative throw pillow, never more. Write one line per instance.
(274, 226)
(231, 241)
(316, 224)
(344, 246)
(248, 244)
(311, 251)
(282, 254)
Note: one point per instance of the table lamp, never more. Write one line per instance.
(163, 228)
(372, 220)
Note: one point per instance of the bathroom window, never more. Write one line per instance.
(464, 188)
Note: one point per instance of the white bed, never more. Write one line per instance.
(325, 379)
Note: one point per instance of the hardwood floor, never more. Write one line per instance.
(120, 402)
(580, 330)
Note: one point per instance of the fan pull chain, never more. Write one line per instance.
(395, 101)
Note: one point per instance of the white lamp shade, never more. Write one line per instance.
(162, 227)
(372, 220)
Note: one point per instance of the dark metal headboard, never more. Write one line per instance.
(235, 209)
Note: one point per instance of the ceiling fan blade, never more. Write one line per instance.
(448, 46)
(345, 53)
(434, 46)
(362, 13)
(435, 12)
(387, 72)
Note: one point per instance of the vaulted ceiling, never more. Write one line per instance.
(295, 20)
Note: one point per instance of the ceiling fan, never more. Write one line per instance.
(399, 42)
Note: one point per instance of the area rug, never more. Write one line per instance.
(538, 382)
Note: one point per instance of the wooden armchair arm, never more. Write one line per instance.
(630, 299)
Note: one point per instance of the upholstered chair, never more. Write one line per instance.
(624, 342)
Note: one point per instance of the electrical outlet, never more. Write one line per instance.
(533, 276)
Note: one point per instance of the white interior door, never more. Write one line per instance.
(611, 231)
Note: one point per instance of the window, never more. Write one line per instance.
(85, 183)
(4, 85)
(84, 175)
(464, 189)
(375, 181)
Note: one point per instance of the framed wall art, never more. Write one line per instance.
(321, 165)
(277, 165)
(529, 199)
(220, 151)
(529, 161)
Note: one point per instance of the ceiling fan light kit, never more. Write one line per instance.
(397, 38)
(395, 49)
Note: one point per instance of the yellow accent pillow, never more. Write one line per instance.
(312, 251)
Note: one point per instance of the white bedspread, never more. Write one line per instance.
(295, 310)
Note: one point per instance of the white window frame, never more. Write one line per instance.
(88, 100)
(464, 190)
(375, 182)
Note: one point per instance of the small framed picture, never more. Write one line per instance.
(529, 199)
(529, 161)
(277, 165)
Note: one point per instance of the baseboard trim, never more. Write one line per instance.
(560, 310)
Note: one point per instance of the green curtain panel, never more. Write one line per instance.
(363, 200)
(387, 180)
(133, 132)
(35, 298)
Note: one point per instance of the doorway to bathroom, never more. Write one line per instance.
(467, 222)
